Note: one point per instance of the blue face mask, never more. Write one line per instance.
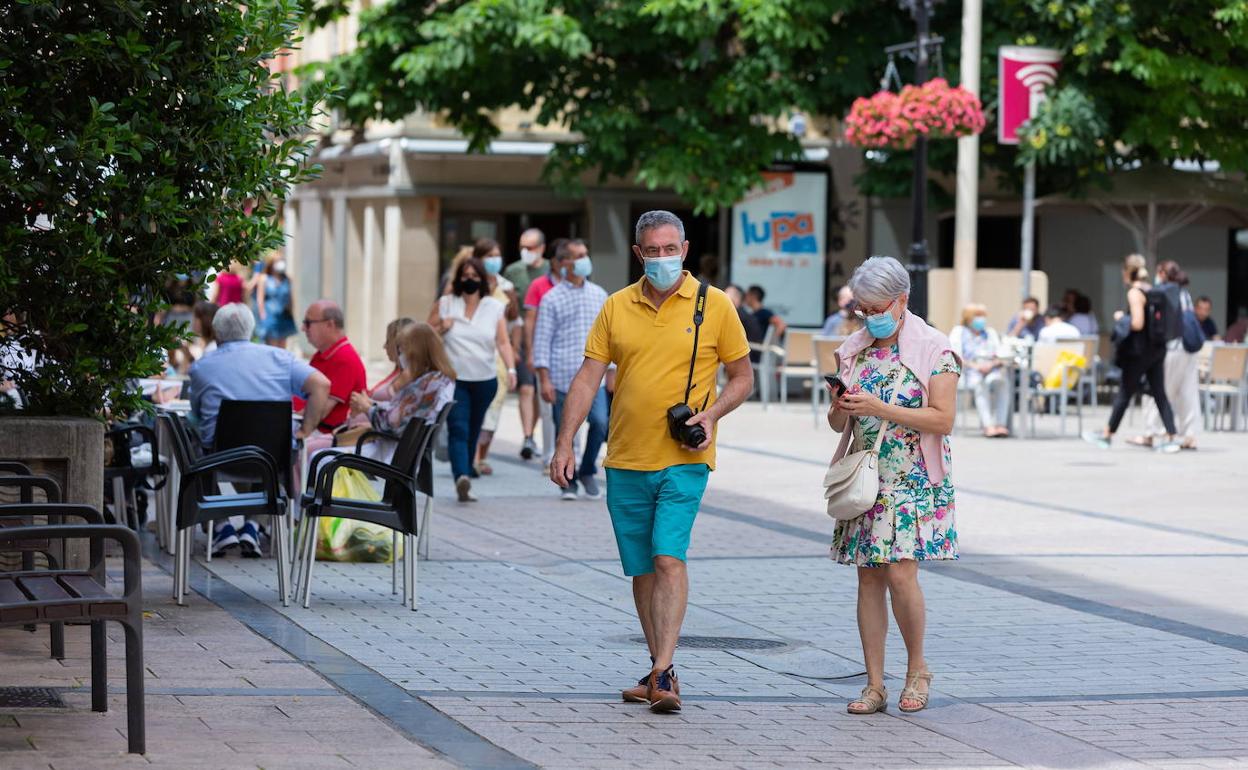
(493, 265)
(882, 325)
(582, 267)
(979, 323)
(663, 272)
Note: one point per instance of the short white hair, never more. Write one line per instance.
(657, 218)
(233, 322)
(879, 280)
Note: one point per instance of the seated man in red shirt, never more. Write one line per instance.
(336, 358)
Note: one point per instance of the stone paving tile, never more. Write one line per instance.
(1150, 730)
(524, 619)
(189, 731)
(739, 736)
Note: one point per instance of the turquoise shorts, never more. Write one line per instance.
(653, 512)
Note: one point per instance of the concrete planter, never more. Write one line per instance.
(70, 450)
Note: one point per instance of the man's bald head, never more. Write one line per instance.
(532, 242)
(323, 323)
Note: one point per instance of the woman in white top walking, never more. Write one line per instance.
(474, 327)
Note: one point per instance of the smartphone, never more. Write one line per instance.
(838, 386)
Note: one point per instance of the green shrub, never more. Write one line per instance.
(134, 137)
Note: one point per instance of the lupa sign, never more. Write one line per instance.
(1023, 73)
(778, 242)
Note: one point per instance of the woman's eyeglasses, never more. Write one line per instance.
(864, 313)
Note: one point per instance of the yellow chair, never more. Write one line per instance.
(825, 363)
(1060, 358)
(799, 359)
(1228, 382)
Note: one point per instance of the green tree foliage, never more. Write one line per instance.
(687, 94)
(134, 134)
(1144, 80)
(1168, 77)
(1067, 130)
(693, 94)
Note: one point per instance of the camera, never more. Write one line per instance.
(689, 435)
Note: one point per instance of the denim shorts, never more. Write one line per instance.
(652, 512)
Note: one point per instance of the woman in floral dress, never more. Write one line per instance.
(902, 371)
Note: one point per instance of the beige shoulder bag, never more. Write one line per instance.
(852, 483)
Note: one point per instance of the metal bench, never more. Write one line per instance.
(23, 515)
(59, 595)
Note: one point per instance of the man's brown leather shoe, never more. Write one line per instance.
(638, 694)
(664, 691)
(641, 693)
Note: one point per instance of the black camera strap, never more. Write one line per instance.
(699, 306)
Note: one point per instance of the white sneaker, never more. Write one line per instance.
(1169, 447)
(1096, 439)
(569, 492)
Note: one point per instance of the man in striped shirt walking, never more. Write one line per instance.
(566, 314)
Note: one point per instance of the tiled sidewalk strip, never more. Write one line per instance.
(218, 696)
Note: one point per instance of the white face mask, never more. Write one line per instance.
(402, 361)
(279, 266)
(529, 257)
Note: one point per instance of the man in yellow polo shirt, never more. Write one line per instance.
(654, 480)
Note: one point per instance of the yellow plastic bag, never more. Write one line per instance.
(349, 540)
(1068, 361)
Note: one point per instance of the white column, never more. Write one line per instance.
(374, 327)
(386, 295)
(966, 222)
(337, 288)
(309, 242)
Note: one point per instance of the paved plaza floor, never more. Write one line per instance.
(1096, 619)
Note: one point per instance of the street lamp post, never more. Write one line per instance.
(921, 10)
(918, 200)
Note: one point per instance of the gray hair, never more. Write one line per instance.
(541, 236)
(233, 322)
(879, 280)
(657, 218)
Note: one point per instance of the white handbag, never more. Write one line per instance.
(852, 483)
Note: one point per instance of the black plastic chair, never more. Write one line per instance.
(124, 477)
(262, 424)
(424, 477)
(200, 501)
(396, 510)
(55, 595)
(13, 466)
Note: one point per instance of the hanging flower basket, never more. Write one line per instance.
(934, 109)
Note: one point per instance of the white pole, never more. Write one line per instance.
(966, 221)
(1029, 224)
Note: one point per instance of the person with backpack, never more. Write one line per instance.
(1140, 335)
(1182, 365)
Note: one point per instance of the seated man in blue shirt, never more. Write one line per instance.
(241, 370)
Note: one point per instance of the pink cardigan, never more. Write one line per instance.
(920, 347)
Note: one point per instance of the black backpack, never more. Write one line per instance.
(1163, 315)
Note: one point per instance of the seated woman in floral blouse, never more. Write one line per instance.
(425, 385)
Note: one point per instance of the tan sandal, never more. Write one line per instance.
(873, 700)
(911, 691)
